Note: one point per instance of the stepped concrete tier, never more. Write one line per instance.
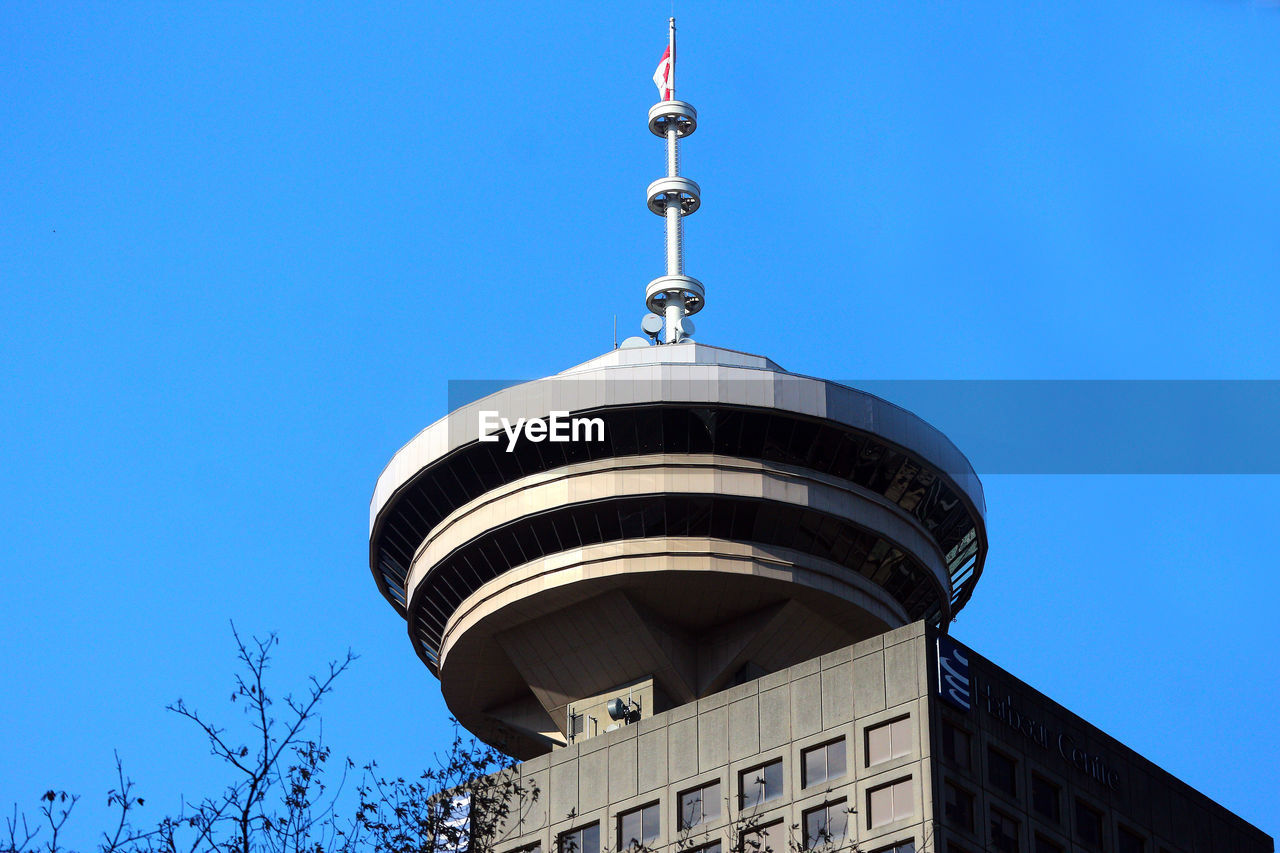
(710, 518)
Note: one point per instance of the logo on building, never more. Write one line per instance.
(953, 673)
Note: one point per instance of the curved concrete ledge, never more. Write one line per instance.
(683, 474)
(520, 589)
(687, 613)
(693, 373)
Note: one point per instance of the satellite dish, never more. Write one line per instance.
(634, 342)
(686, 327)
(623, 710)
(651, 324)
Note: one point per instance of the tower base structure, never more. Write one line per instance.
(906, 742)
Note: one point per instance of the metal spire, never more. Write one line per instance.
(674, 295)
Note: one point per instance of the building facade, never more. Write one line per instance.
(869, 748)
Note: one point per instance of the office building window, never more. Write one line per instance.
(1045, 798)
(955, 746)
(889, 740)
(952, 847)
(713, 847)
(827, 824)
(638, 827)
(760, 784)
(1131, 842)
(1044, 845)
(535, 847)
(957, 806)
(1088, 825)
(766, 839)
(1002, 772)
(1004, 833)
(699, 806)
(823, 763)
(584, 839)
(900, 847)
(890, 802)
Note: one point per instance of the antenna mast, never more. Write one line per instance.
(674, 295)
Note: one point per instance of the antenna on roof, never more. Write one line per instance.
(675, 294)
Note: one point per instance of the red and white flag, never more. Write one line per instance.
(662, 77)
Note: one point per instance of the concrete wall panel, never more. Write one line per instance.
(900, 673)
(652, 761)
(713, 739)
(563, 795)
(868, 684)
(593, 780)
(623, 772)
(806, 705)
(744, 727)
(837, 695)
(682, 748)
(775, 716)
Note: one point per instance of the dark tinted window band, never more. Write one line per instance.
(768, 436)
(736, 519)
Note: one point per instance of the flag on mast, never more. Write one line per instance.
(662, 77)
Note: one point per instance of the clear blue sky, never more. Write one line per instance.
(244, 247)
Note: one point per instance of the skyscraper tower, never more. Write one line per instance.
(707, 600)
(724, 520)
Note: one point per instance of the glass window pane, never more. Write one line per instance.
(751, 787)
(815, 769)
(958, 806)
(878, 745)
(711, 801)
(1088, 824)
(900, 735)
(1044, 797)
(773, 780)
(814, 824)
(650, 828)
(629, 830)
(1001, 771)
(1004, 833)
(835, 759)
(955, 745)
(903, 799)
(880, 805)
(690, 809)
(591, 839)
(837, 821)
(759, 840)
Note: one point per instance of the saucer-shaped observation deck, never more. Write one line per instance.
(716, 518)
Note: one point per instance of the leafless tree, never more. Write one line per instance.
(280, 797)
